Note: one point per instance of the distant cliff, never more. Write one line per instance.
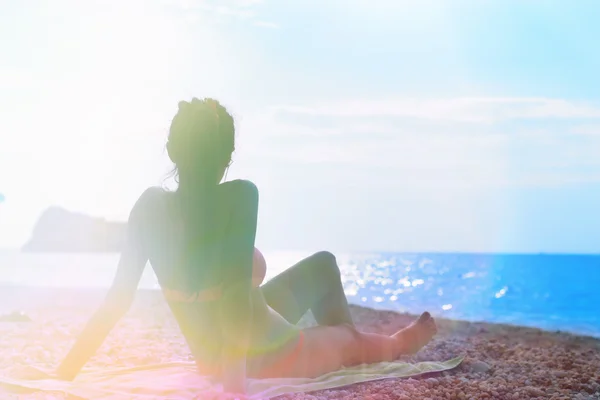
(59, 230)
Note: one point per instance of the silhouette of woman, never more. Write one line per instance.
(199, 240)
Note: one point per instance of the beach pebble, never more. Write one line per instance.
(533, 391)
(480, 366)
(432, 381)
(524, 365)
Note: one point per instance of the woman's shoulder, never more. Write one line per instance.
(147, 202)
(151, 195)
(238, 187)
(237, 194)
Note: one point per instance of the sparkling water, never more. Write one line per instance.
(556, 292)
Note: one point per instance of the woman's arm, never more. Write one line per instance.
(118, 300)
(237, 260)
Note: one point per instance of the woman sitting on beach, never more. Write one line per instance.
(199, 240)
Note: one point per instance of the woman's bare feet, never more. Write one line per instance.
(412, 338)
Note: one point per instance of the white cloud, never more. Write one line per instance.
(219, 9)
(242, 13)
(465, 109)
(248, 3)
(266, 24)
(466, 141)
(587, 130)
(12, 78)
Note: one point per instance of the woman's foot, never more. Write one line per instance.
(412, 338)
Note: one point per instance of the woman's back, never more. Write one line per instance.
(188, 263)
(183, 261)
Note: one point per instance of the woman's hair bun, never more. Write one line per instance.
(202, 129)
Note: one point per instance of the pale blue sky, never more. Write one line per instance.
(367, 125)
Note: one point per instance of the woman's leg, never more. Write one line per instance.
(312, 284)
(328, 348)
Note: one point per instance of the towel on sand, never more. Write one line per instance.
(181, 381)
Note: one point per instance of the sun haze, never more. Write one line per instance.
(407, 126)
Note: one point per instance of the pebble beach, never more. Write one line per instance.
(501, 361)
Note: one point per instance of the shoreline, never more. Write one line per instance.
(502, 361)
(52, 292)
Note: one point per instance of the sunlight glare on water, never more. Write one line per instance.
(543, 291)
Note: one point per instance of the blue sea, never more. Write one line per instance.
(554, 292)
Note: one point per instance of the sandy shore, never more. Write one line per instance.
(502, 362)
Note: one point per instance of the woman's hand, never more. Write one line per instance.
(218, 395)
(233, 396)
(234, 377)
(32, 373)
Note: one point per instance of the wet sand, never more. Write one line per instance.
(501, 361)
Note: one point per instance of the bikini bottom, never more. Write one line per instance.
(280, 367)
